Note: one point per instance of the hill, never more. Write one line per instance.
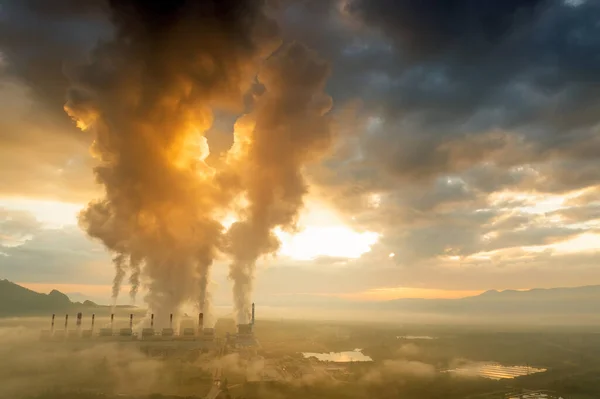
(541, 301)
(18, 300)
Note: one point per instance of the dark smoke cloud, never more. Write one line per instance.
(148, 97)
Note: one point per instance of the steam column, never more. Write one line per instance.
(88, 333)
(75, 333)
(127, 332)
(149, 332)
(108, 332)
(168, 332)
(61, 334)
(47, 334)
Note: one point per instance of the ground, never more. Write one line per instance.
(401, 367)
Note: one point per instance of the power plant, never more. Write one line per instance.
(245, 334)
(189, 336)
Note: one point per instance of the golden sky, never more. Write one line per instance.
(416, 160)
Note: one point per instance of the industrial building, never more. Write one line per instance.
(196, 337)
(244, 338)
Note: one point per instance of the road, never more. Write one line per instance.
(215, 389)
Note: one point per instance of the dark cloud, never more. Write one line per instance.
(38, 38)
(428, 28)
(458, 69)
(41, 153)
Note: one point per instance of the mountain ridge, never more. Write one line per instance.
(18, 300)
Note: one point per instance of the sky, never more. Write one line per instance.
(465, 153)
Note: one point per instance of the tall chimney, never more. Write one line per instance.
(200, 321)
(112, 320)
(252, 314)
(93, 318)
(66, 320)
(131, 320)
(171, 321)
(52, 325)
(78, 323)
(152, 320)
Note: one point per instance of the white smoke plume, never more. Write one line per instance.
(134, 277)
(288, 127)
(120, 271)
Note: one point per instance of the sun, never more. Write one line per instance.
(336, 241)
(324, 234)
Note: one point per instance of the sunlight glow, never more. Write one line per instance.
(332, 241)
(386, 294)
(52, 214)
(322, 233)
(534, 203)
(588, 242)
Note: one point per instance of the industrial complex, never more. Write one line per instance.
(150, 339)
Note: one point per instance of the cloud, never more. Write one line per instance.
(34, 253)
(475, 124)
(42, 154)
(16, 227)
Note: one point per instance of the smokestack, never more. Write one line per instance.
(66, 320)
(131, 320)
(52, 325)
(171, 321)
(78, 323)
(112, 319)
(200, 321)
(152, 320)
(93, 317)
(252, 322)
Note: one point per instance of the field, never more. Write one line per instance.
(408, 361)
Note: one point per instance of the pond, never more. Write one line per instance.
(495, 371)
(340, 357)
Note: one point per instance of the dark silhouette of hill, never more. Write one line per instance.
(534, 302)
(542, 301)
(16, 300)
